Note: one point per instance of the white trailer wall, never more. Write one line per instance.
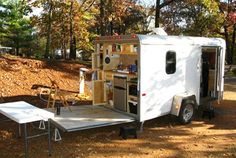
(157, 88)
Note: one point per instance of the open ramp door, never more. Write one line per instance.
(87, 117)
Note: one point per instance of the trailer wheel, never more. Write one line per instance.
(186, 113)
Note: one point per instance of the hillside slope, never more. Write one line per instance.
(23, 79)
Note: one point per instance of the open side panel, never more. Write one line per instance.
(220, 74)
(193, 71)
(98, 92)
(97, 57)
(99, 96)
(97, 61)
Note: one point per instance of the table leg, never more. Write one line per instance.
(49, 139)
(26, 140)
(19, 131)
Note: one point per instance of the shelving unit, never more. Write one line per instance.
(104, 83)
(132, 97)
(124, 53)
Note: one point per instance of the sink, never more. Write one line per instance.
(123, 71)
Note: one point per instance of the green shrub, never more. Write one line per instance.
(38, 55)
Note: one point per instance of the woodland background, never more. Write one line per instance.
(42, 28)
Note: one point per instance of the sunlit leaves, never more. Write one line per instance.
(121, 16)
(193, 17)
(83, 18)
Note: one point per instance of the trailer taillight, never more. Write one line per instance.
(133, 36)
(144, 94)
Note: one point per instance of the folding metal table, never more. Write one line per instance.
(23, 113)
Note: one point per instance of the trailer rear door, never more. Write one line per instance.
(220, 73)
(88, 116)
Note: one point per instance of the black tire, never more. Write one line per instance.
(186, 113)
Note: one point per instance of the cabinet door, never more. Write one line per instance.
(96, 60)
(220, 73)
(99, 96)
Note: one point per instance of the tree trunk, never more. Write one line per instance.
(17, 50)
(160, 5)
(123, 29)
(119, 29)
(233, 44)
(72, 36)
(63, 43)
(74, 47)
(226, 34)
(157, 16)
(110, 10)
(63, 35)
(49, 22)
(102, 13)
(111, 28)
(63, 51)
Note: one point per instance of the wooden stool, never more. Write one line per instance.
(54, 94)
(210, 113)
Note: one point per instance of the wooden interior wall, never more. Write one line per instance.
(128, 59)
(98, 92)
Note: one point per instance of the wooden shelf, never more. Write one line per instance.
(133, 102)
(132, 82)
(125, 53)
(133, 98)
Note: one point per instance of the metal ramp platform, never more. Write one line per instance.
(88, 116)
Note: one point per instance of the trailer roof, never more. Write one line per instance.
(181, 40)
(162, 39)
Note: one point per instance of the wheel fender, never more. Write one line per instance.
(180, 100)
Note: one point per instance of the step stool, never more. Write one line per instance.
(128, 131)
(209, 111)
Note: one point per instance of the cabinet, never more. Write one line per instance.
(99, 92)
(120, 93)
(132, 96)
(97, 57)
(105, 61)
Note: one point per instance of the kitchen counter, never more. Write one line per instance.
(110, 73)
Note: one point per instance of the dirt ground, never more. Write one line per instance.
(163, 137)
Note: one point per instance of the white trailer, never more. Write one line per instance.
(147, 76)
(141, 77)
